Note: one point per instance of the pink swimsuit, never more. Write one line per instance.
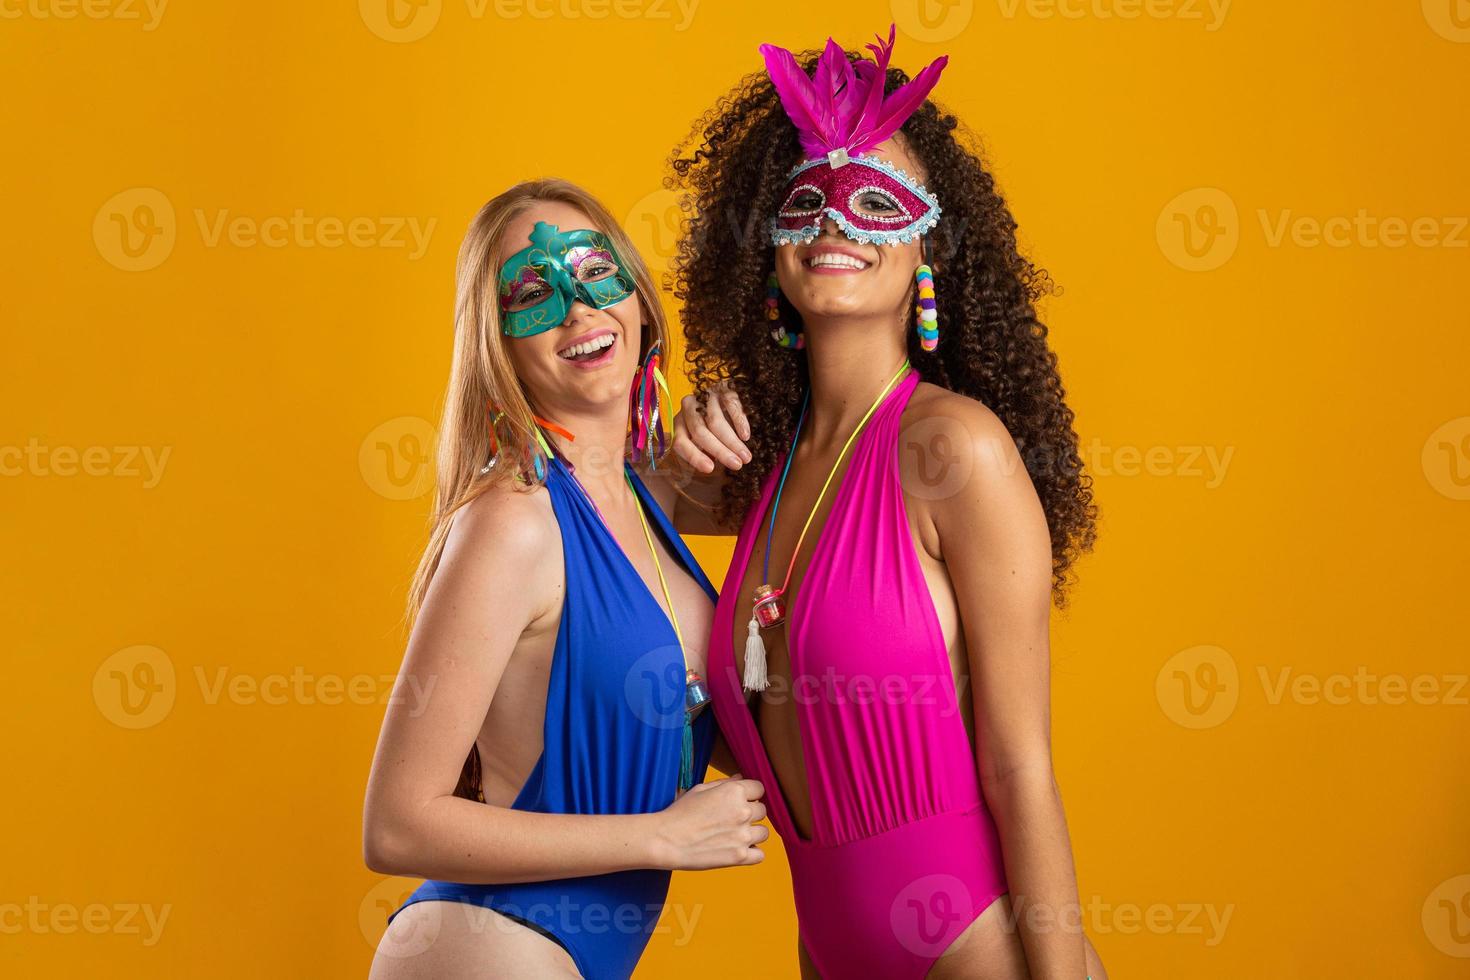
(904, 855)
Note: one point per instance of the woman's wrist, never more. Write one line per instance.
(651, 845)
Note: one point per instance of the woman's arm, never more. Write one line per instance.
(996, 546)
(495, 580)
(709, 442)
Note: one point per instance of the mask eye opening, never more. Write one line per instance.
(513, 294)
(901, 215)
(789, 210)
(598, 263)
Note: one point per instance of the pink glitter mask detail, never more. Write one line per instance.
(577, 256)
(869, 199)
(840, 113)
(511, 291)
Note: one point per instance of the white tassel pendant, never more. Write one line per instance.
(755, 678)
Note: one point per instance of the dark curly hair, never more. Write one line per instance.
(732, 167)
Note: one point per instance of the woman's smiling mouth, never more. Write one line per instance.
(590, 350)
(833, 260)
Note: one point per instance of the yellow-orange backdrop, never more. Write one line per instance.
(229, 250)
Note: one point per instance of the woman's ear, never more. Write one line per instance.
(928, 254)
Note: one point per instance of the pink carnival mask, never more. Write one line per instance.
(841, 112)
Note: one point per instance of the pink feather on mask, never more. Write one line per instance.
(842, 106)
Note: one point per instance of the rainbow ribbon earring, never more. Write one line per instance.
(494, 415)
(773, 313)
(926, 316)
(645, 421)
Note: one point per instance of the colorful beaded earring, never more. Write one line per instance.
(773, 314)
(926, 317)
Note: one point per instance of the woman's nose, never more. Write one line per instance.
(577, 313)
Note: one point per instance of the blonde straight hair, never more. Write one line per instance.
(482, 375)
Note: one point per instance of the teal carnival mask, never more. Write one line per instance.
(539, 284)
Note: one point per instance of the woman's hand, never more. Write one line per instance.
(714, 825)
(712, 431)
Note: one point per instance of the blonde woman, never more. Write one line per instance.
(553, 780)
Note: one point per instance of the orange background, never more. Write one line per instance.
(1168, 164)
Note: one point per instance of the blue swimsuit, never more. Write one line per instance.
(612, 737)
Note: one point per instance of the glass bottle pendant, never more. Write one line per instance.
(696, 694)
(769, 608)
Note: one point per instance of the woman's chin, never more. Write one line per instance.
(851, 310)
(606, 390)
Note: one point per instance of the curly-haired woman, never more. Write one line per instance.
(912, 504)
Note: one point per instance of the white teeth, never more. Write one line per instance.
(835, 260)
(595, 344)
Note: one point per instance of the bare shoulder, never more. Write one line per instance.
(963, 472)
(499, 574)
(502, 526)
(953, 450)
(930, 401)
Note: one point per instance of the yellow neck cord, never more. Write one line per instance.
(902, 368)
(663, 582)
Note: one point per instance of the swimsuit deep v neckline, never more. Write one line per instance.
(645, 499)
(792, 626)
